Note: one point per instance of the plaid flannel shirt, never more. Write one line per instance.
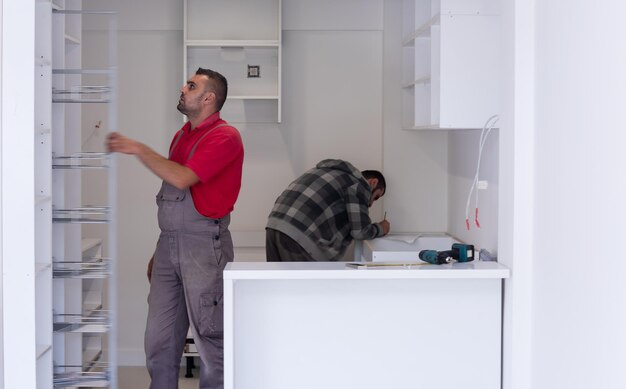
(325, 209)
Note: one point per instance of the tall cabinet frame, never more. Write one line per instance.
(75, 242)
(248, 53)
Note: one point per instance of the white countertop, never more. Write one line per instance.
(339, 270)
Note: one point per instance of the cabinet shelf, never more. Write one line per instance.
(92, 268)
(232, 43)
(83, 376)
(82, 94)
(97, 322)
(253, 97)
(420, 80)
(82, 71)
(422, 31)
(87, 160)
(86, 215)
(72, 39)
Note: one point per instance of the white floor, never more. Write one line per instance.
(137, 378)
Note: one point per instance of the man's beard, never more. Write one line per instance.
(181, 108)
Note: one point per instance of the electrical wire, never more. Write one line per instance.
(484, 133)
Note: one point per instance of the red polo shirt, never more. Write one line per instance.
(217, 160)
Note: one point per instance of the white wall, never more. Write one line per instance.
(578, 288)
(415, 162)
(332, 107)
(463, 156)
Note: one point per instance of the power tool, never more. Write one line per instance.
(460, 252)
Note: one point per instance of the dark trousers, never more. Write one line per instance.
(281, 248)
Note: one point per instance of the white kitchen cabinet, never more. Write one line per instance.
(325, 325)
(241, 40)
(450, 63)
(75, 283)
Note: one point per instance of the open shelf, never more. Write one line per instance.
(84, 160)
(87, 215)
(97, 321)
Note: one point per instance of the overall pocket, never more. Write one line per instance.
(212, 315)
(170, 201)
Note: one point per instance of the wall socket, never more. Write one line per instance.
(483, 184)
(254, 71)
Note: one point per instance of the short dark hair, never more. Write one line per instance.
(379, 176)
(218, 85)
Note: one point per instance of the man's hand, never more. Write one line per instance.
(149, 272)
(385, 226)
(117, 142)
(172, 172)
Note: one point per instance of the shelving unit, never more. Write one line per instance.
(75, 268)
(450, 57)
(212, 40)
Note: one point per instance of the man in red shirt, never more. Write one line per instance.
(201, 182)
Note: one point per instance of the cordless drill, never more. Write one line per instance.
(460, 252)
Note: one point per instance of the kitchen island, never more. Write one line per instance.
(306, 325)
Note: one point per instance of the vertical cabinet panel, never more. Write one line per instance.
(43, 193)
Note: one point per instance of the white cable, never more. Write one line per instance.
(489, 125)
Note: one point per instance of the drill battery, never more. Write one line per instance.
(459, 252)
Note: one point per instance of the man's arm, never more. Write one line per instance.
(361, 226)
(171, 172)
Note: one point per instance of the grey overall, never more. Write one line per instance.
(186, 290)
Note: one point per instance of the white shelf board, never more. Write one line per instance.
(244, 97)
(233, 43)
(436, 126)
(420, 80)
(422, 31)
(72, 39)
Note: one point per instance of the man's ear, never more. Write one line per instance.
(373, 182)
(210, 98)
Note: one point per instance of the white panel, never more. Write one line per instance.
(469, 71)
(386, 331)
(332, 97)
(579, 207)
(137, 15)
(17, 194)
(332, 15)
(232, 19)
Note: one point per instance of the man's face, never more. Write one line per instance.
(376, 194)
(192, 95)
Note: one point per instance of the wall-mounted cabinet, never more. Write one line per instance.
(450, 63)
(241, 40)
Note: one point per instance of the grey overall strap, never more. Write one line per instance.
(180, 135)
(193, 149)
